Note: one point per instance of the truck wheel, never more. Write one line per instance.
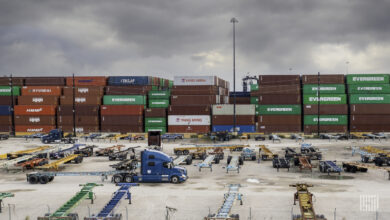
(253, 157)
(33, 179)
(117, 178)
(45, 141)
(51, 178)
(185, 152)
(189, 161)
(128, 179)
(241, 161)
(43, 179)
(175, 179)
(179, 152)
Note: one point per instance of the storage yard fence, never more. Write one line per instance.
(196, 104)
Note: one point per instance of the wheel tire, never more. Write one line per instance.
(229, 159)
(216, 160)
(128, 179)
(43, 179)
(45, 141)
(51, 178)
(179, 152)
(117, 178)
(189, 161)
(253, 158)
(241, 161)
(175, 179)
(185, 152)
(33, 179)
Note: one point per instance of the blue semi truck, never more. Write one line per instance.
(156, 167)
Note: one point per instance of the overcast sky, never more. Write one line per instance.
(193, 37)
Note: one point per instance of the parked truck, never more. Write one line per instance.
(57, 136)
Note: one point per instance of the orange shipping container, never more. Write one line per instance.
(121, 109)
(86, 81)
(41, 90)
(35, 109)
(34, 128)
(38, 100)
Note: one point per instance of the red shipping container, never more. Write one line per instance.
(34, 120)
(229, 120)
(34, 128)
(79, 129)
(80, 120)
(5, 128)
(41, 90)
(156, 112)
(5, 119)
(370, 109)
(44, 81)
(324, 79)
(122, 129)
(83, 100)
(279, 79)
(370, 128)
(92, 110)
(200, 129)
(122, 110)
(38, 100)
(308, 129)
(84, 91)
(268, 129)
(35, 109)
(16, 81)
(86, 81)
(128, 90)
(240, 100)
(189, 110)
(277, 89)
(194, 99)
(7, 100)
(331, 109)
(369, 119)
(279, 99)
(121, 120)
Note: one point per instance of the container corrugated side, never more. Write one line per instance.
(370, 109)
(35, 109)
(5, 110)
(326, 120)
(229, 119)
(155, 122)
(86, 81)
(44, 81)
(34, 120)
(158, 103)
(163, 130)
(122, 109)
(34, 128)
(189, 120)
(279, 109)
(228, 109)
(124, 100)
(239, 128)
(279, 79)
(323, 79)
(367, 78)
(268, 129)
(200, 129)
(159, 94)
(369, 99)
(254, 87)
(332, 109)
(324, 89)
(129, 80)
(369, 89)
(325, 99)
(309, 129)
(6, 90)
(37, 100)
(42, 90)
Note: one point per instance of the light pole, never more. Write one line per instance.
(234, 21)
(347, 65)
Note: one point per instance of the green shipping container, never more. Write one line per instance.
(324, 89)
(6, 90)
(170, 84)
(155, 122)
(158, 103)
(155, 88)
(280, 109)
(254, 100)
(369, 89)
(163, 130)
(159, 94)
(254, 87)
(326, 120)
(367, 78)
(325, 99)
(369, 99)
(124, 100)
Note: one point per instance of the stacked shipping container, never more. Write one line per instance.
(223, 118)
(278, 101)
(7, 99)
(369, 98)
(330, 103)
(191, 100)
(155, 116)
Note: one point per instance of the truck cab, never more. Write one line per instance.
(54, 135)
(157, 166)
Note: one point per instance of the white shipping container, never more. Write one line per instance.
(189, 120)
(195, 80)
(228, 109)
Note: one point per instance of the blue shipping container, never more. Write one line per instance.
(129, 80)
(240, 94)
(5, 110)
(240, 128)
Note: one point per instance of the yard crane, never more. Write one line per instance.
(245, 81)
(63, 213)
(229, 199)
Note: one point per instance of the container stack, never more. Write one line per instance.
(7, 99)
(156, 114)
(223, 118)
(36, 109)
(191, 101)
(369, 99)
(330, 103)
(124, 102)
(278, 103)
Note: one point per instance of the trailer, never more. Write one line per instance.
(107, 213)
(248, 154)
(265, 153)
(64, 212)
(290, 153)
(207, 163)
(328, 166)
(172, 137)
(280, 163)
(65, 152)
(234, 163)
(306, 205)
(303, 162)
(311, 152)
(354, 167)
(6, 164)
(31, 164)
(382, 159)
(228, 202)
(76, 158)
(106, 151)
(218, 152)
(120, 155)
(86, 151)
(20, 153)
(366, 157)
(187, 159)
(3, 196)
(186, 150)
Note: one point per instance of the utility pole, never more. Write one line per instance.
(11, 85)
(234, 21)
(74, 108)
(318, 105)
